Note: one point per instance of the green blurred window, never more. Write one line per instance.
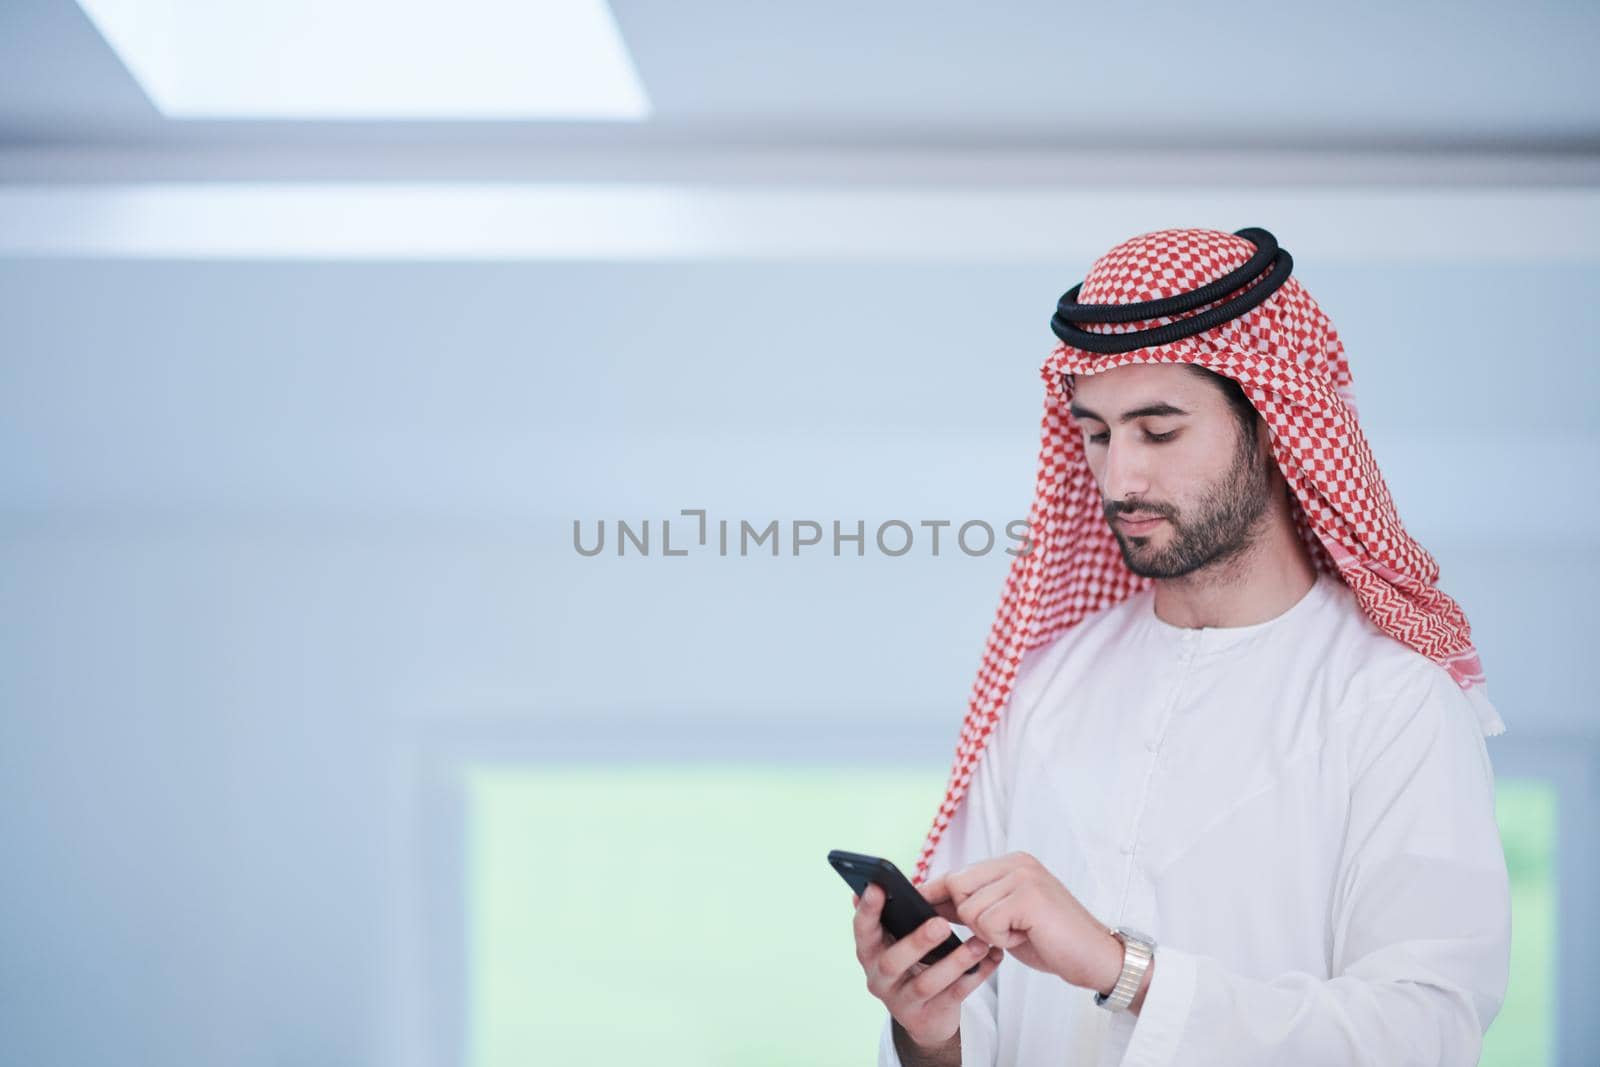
(686, 915)
(1523, 1034)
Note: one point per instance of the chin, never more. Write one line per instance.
(1138, 554)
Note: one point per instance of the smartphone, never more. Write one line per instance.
(904, 909)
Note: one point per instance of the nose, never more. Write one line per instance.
(1124, 474)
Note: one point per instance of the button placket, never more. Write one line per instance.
(1130, 846)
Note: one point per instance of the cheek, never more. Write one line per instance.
(1197, 463)
(1179, 471)
(1198, 468)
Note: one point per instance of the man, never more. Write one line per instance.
(1224, 712)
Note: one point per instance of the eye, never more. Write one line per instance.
(1153, 438)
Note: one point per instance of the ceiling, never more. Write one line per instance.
(732, 80)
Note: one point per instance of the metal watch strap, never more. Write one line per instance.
(1137, 952)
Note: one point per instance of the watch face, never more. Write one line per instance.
(1136, 935)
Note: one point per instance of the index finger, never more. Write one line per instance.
(974, 876)
(936, 891)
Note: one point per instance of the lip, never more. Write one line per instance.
(1139, 525)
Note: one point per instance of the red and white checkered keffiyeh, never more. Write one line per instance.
(1288, 358)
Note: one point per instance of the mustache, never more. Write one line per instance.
(1113, 510)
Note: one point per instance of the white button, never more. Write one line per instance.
(1152, 745)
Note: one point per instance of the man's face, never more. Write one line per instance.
(1180, 457)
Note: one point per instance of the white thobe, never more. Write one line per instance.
(1299, 812)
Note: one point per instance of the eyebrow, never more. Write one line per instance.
(1162, 408)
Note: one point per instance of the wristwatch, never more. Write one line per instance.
(1137, 952)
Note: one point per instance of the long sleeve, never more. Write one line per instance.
(976, 832)
(1420, 923)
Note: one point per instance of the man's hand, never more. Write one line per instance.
(1013, 902)
(924, 1000)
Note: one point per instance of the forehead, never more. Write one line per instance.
(1138, 383)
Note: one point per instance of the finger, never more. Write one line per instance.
(975, 875)
(899, 957)
(937, 892)
(962, 987)
(977, 916)
(957, 886)
(935, 979)
(870, 934)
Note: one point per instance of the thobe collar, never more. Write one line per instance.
(1209, 640)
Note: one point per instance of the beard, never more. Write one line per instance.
(1222, 525)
